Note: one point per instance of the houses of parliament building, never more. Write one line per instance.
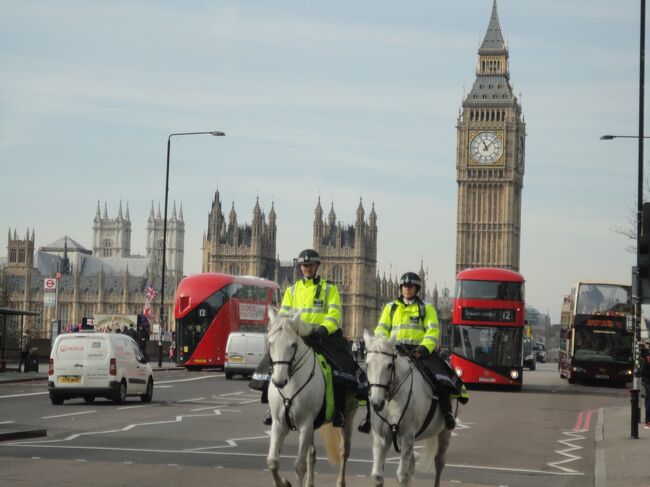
(490, 161)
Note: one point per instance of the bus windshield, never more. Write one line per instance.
(488, 346)
(494, 290)
(596, 299)
(603, 346)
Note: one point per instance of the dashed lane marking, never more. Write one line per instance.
(69, 414)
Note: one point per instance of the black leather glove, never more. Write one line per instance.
(420, 353)
(316, 336)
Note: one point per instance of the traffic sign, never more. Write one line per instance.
(58, 275)
(49, 284)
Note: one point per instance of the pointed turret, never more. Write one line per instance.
(232, 216)
(180, 213)
(158, 216)
(331, 218)
(151, 214)
(493, 42)
(174, 212)
(257, 211)
(98, 214)
(105, 210)
(119, 212)
(127, 216)
(272, 216)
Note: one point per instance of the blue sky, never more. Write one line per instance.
(337, 100)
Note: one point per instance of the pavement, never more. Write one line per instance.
(621, 461)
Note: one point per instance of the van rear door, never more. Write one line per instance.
(70, 360)
(237, 350)
(255, 350)
(97, 361)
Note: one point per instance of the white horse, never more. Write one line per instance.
(400, 400)
(296, 395)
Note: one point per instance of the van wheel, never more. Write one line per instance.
(56, 399)
(89, 399)
(229, 375)
(147, 396)
(120, 393)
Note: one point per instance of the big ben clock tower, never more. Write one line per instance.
(490, 152)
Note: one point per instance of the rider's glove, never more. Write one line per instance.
(420, 353)
(316, 336)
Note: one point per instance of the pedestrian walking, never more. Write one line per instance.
(25, 349)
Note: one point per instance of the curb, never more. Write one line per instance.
(17, 434)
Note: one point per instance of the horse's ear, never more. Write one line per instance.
(273, 313)
(367, 337)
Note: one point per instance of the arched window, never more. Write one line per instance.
(12, 255)
(21, 255)
(108, 248)
(337, 275)
(233, 269)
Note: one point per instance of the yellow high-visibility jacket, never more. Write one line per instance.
(317, 300)
(408, 326)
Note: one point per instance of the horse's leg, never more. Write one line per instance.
(444, 438)
(305, 443)
(380, 446)
(278, 434)
(406, 461)
(346, 444)
(311, 463)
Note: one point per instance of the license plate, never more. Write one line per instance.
(69, 379)
(236, 359)
(602, 376)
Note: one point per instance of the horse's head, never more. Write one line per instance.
(284, 340)
(380, 364)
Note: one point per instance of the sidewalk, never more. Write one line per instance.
(620, 460)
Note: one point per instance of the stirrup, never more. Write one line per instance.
(450, 421)
(268, 420)
(338, 421)
(364, 426)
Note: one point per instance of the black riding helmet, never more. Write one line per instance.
(308, 256)
(411, 278)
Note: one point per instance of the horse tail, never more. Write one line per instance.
(427, 461)
(332, 438)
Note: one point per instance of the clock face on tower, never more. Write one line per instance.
(486, 148)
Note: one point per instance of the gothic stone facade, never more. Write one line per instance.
(490, 162)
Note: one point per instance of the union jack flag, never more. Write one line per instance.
(150, 293)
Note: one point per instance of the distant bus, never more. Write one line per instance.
(595, 343)
(210, 306)
(487, 327)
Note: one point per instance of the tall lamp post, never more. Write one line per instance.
(163, 317)
(637, 292)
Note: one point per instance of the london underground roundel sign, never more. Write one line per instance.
(49, 284)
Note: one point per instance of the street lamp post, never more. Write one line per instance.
(637, 294)
(163, 317)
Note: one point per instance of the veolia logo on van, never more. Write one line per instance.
(71, 348)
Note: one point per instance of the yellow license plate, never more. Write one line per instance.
(236, 359)
(69, 379)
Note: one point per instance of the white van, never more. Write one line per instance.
(88, 365)
(244, 352)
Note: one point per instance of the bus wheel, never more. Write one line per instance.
(229, 375)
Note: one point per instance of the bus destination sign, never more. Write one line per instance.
(491, 314)
(598, 321)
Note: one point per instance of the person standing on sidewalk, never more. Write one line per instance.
(645, 374)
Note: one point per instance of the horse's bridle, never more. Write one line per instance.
(390, 394)
(288, 400)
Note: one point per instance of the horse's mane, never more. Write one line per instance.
(378, 344)
(291, 323)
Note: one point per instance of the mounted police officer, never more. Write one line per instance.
(415, 327)
(319, 304)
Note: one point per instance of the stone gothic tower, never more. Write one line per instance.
(20, 253)
(112, 236)
(240, 249)
(349, 259)
(490, 150)
(175, 244)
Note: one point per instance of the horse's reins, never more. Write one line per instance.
(394, 428)
(287, 401)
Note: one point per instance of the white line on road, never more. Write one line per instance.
(7, 422)
(24, 395)
(139, 406)
(193, 399)
(264, 455)
(70, 414)
(188, 380)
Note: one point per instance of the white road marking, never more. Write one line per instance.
(193, 399)
(174, 381)
(24, 395)
(6, 422)
(139, 406)
(69, 414)
(264, 455)
(569, 457)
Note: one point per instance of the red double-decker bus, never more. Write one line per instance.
(210, 306)
(487, 327)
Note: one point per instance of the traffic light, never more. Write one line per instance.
(643, 254)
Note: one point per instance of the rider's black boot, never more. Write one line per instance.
(445, 407)
(338, 421)
(268, 421)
